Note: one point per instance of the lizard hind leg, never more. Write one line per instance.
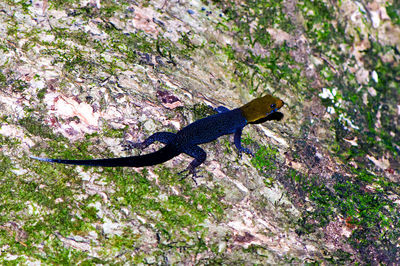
(163, 137)
(199, 156)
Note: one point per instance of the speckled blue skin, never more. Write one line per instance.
(188, 138)
(208, 129)
(212, 127)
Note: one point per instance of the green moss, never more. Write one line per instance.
(371, 212)
(372, 140)
(47, 207)
(5, 166)
(165, 49)
(131, 44)
(259, 70)
(349, 102)
(41, 93)
(76, 61)
(318, 17)
(189, 47)
(3, 78)
(265, 13)
(393, 12)
(173, 215)
(11, 80)
(63, 4)
(358, 111)
(264, 160)
(114, 132)
(12, 31)
(201, 111)
(35, 127)
(176, 210)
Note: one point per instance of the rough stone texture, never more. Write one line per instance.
(79, 78)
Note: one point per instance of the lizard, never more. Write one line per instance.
(188, 138)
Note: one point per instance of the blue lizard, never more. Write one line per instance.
(188, 138)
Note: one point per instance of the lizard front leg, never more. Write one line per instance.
(238, 144)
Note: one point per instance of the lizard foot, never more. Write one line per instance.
(190, 171)
(130, 145)
(247, 151)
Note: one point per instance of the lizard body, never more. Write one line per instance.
(188, 138)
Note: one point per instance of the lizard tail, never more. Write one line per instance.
(164, 154)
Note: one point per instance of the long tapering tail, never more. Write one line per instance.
(164, 154)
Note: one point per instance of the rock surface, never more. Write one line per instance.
(80, 77)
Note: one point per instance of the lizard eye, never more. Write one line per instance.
(273, 106)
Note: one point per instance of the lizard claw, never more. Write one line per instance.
(190, 171)
(247, 151)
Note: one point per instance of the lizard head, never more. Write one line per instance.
(261, 107)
